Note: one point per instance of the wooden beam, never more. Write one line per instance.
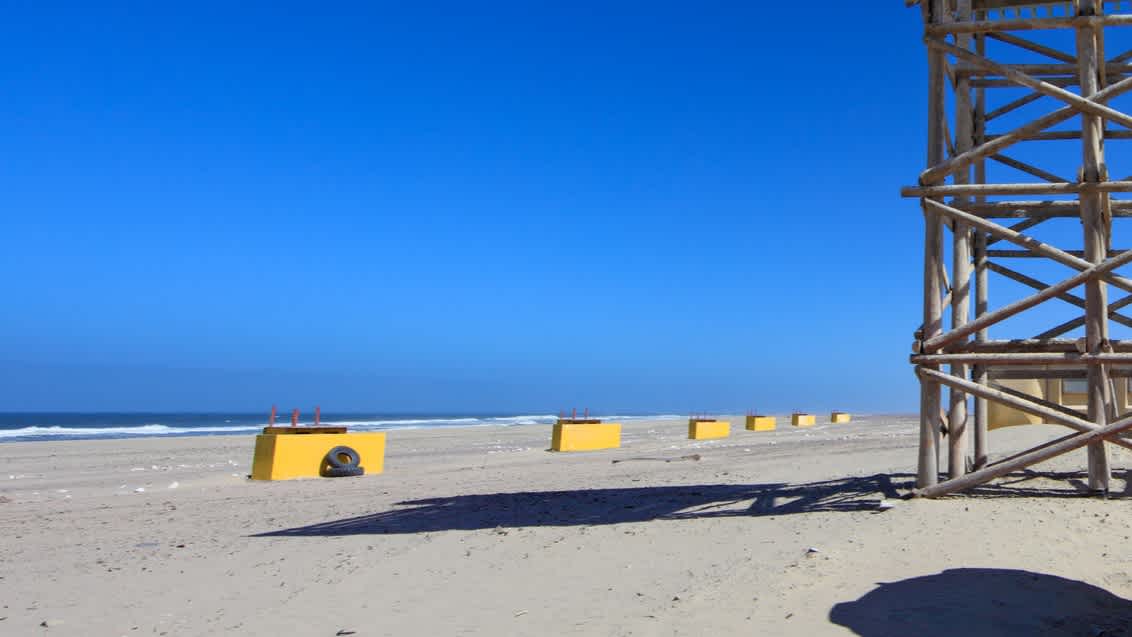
(1037, 345)
(1019, 227)
(1014, 105)
(1040, 209)
(1023, 358)
(1080, 103)
(1064, 188)
(982, 239)
(1073, 324)
(1078, 374)
(938, 342)
(927, 471)
(1029, 243)
(1030, 45)
(1068, 135)
(1026, 24)
(1035, 70)
(1096, 232)
(992, 146)
(1027, 168)
(1028, 405)
(1071, 299)
(957, 438)
(1027, 459)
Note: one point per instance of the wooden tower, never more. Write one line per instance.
(1014, 85)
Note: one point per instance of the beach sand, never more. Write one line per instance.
(481, 531)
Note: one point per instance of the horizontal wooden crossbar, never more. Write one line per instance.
(1021, 358)
(1064, 188)
(1027, 24)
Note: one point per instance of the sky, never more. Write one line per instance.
(439, 207)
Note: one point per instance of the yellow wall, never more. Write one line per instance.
(286, 456)
(839, 417)
(706, 430)
(999, 415)
(585, 437)
(761, 423)
(802, 420)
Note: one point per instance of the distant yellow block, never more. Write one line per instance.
(839, 417)
(802, 420)
(761, 423)
(286, 456)
(708, 429)
(586, 436)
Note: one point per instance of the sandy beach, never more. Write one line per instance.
(481, 531)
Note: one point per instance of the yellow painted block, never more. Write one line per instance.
(761, 423)
(586, 436)
(838, 417)
(708, 429)
(1000, 415)
(286, 456)
(802, 420)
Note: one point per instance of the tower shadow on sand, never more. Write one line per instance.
(983, 602)
(584, 507)
(589, 507)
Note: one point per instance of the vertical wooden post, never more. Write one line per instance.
(960, 264)
(1096, 241)
(927, 472)
(271, 420)
(981, 272)
(294, 417)
(317, 415)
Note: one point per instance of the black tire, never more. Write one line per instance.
(334, 460)
(343, 472)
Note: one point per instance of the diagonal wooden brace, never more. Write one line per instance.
(1034, 456)
(1055, 416)
(1073, 324)
(1071, 299)
(962, 160)
(1019, 239)
(937, 343)
(1082, 104)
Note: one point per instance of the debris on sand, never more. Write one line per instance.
(694, 457)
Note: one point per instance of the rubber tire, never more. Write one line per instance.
(343, 472)
(335, 462)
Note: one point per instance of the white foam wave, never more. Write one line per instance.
(48, 432)
(53, 431)
(41, 432)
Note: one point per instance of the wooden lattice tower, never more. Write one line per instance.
(975, 129)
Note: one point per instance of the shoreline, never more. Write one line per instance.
(57, 433)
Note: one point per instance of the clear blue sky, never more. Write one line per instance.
(437, 207)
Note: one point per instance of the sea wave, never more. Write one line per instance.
(47, 432)
(54, 431)
(50, 432)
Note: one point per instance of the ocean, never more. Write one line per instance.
(23, 426)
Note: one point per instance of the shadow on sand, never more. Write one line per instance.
(978, 602)
(584, 507)
(614, 506)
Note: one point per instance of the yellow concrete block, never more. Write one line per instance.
(708, 429)
(761, 423)
(586, 436)
(802, 420)
(286, 456)
(838, 417)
